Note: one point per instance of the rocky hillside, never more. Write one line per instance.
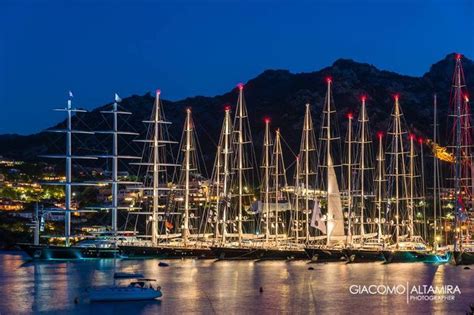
(280, 95)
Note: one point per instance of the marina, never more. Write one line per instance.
(236, 157)
(358, 200)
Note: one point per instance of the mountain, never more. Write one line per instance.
(280, 95)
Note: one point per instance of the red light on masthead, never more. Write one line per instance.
(412, 136)
(363, 98)
(240, 86)
(420, 140)
(267, 120)
(227, 108)
(350, 116)
(158, 92)
(396, 97)
(466, 97)
(458, 56)
(380, 135)
(328, 80)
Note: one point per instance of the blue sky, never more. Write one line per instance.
(187, 48)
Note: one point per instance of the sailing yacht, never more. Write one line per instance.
(190, 213)
(241, 229)
(408, 245)
(276, 206)
(174, 221)
(463, 170)
(364, 237)
(101, 246)
(156, 158)
(333, 229)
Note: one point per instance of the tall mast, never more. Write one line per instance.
(279, 169)
(244, 161)
(277, 175)
(221, 175)
(156, 153)
(411, 196)
(328, 140)
(218, 190)
(435, 171)
(67, 217)
(115, 181)
(227, 133)
(115, 166)
(423, 192)
(362, 167)
(380, 179)
(68, 183)
(397, 168)
(241, 162)
(296, 220)
(307, 166)
(267, 144)
(187, 168)
(457, 87)
(328, 150)
(335, 219)
(154, 231)
(307, 172)
(350, 116)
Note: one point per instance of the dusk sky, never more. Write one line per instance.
(187, 48)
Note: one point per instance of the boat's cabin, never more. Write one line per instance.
(137, 284)
(143, 284)
(410, 246)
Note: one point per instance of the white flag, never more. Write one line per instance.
(70, 94)
(317, 218)
(117, 98)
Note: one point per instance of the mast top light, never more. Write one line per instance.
(328, 80)
(240, 86)
(458, 56)
(227, 108)
(396, 97)
(363, 98)
(350, 115)
(267, 120)
(380, 134)
(158, 92)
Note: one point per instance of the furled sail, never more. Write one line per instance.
(335, 225)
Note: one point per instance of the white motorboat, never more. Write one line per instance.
(139, 290)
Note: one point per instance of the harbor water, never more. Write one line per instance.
(237, 287)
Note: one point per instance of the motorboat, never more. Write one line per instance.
(139, 290)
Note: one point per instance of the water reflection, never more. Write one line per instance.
(191, 286)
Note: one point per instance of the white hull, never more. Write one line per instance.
(119, 293)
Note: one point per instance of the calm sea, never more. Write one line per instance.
(233, 287)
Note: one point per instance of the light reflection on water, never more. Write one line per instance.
(192, 286)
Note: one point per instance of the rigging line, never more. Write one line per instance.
(210, 138)
(288, 146)
(200, 156)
